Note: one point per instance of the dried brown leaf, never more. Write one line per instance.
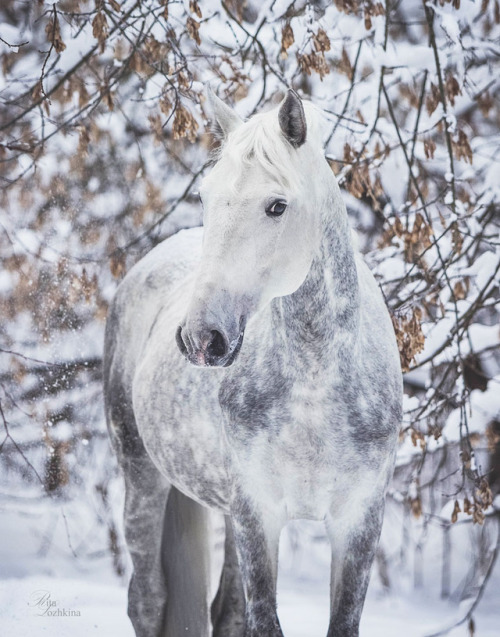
(164, 4)
(184, 124)
(461, 147)
(53, 33)
(313, 61)
(416, 507)
(432, 100)
(459, 291)
(165, 105)
(457, 238)
(493, 435)
(345, 66)
(194, 7)
(117, 263)
(193, 28)
(471, 625)
(287, 39)
(321, 41)
(429, 147)
(409, 336)
(100, 29)
(83, 141)
(452, 88)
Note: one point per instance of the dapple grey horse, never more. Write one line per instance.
(251, 367)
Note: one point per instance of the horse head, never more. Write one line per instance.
(261, 225)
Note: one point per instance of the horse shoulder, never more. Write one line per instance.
(148, 288)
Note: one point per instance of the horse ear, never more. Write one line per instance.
(225, 119)
(292, 119)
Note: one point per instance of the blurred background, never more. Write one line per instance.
(104, 138)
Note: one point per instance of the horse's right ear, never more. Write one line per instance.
(224, 119)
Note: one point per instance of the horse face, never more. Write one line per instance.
(259, 241)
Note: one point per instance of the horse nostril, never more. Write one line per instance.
(217, 345)
(180, 343)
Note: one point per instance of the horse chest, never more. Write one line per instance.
(289, 446)
(300, 469)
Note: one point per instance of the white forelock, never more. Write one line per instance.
(260, 139)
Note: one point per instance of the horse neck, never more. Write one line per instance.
(320, 320)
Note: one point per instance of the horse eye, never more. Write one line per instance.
(277, 208)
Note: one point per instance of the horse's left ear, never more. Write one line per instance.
(292, 119)
(225, 119)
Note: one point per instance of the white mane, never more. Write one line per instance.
(261, 139)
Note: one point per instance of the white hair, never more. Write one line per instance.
(260, 139)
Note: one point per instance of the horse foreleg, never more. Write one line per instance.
(228, 607)
(257, 539)
(354, 544)
(145, 501)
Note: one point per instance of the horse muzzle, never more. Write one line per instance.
(209, 347)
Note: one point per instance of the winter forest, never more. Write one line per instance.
(104, 137)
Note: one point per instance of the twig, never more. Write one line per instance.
(430, 21)
(479, 596)
(415, 130)
(83, 60)
(346, 103)
(84, 363)
(14, 46)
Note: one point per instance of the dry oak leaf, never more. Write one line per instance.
(416, 507)
(462, 147)
(315, 62)
(287, 39)
(100, 28)
(165, 105)
(194, 7)
(452, 88)
(345, 66)
(321, 41)
(456, 511)
(184, 124)
(409, 336)
(117, 264)
(193, 28)
(53, 32)
(164, 4)
(432, 100)
(429, 147)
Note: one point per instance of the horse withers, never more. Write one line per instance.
(251, 367)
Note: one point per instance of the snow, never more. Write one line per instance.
(92, 608)
(449, 24)
(10, 35)
(38, 533)
(415, 57)
(484, 268)
(101, 609)
(85, 597)
(483, 409)
(479, 336)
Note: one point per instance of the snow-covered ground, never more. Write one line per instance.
(45, 590)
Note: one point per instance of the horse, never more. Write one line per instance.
(251, 367)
